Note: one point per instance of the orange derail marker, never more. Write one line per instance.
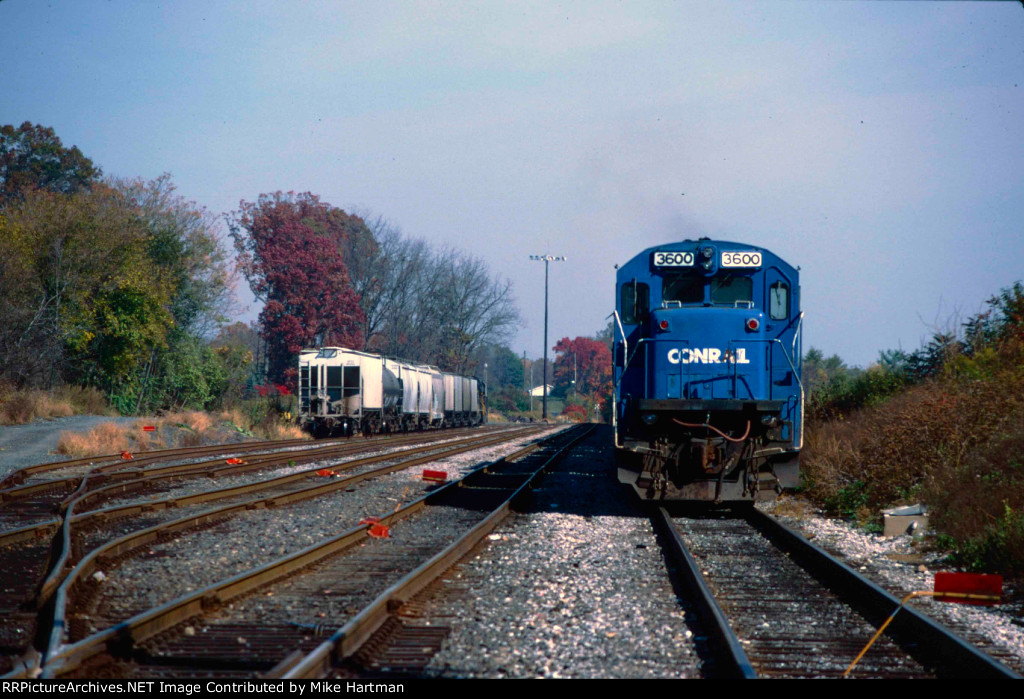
(962, 588)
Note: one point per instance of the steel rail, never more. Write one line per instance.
(122, 470)
(259, 462)
(57, 571)
(47, 527)
(273, 482)
(130, 469)
(940, 647)
(61, 658)
(109, 460)
(735, 663)
(347, 640)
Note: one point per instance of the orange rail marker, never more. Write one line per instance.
(435, 476)
(149, 428)
(379, 531)
(126, 456)
(326, 472)
(233, 461)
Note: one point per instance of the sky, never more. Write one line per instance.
(877, 145)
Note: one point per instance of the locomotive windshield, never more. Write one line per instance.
(688, 289)
(682, 288)
(731, 290)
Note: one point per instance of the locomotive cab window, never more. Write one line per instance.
(778, 301)
(636, 300)
(682, 288)
(730, 291)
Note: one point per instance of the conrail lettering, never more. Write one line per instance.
(708, 355)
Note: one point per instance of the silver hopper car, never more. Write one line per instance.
(343, 391)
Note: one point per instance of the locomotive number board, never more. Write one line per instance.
(673, 259)
(741, 259)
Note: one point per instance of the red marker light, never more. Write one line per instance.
(663, 325)
(753, 324)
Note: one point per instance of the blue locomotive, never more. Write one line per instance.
(707, 359)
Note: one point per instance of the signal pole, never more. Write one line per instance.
(546, 259)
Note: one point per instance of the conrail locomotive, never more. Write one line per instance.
(343, 391)
(707, 371)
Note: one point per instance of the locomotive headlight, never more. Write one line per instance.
(708, 254)
(650, 418)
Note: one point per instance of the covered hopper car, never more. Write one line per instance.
(344, 392)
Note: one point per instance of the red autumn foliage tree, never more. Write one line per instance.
(589, 361)
(291, 248)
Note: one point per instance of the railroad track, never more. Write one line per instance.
(776, 605)
(35, 558)
(235, 626)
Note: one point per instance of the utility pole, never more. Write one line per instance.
(546, 259)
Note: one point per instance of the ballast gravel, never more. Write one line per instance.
(577, 588)
(905, 564)
(563, 595)
(255, 537)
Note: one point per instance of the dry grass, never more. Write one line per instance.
(105, 438)
(21, 407)
(172, 430)
(279, 430)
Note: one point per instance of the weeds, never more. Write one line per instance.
(943, 426)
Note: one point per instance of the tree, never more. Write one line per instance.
(387, 272)
(185, 240)
(586, 361)
(437, 308)
(290, 249)
(469, 309)
(92, 302)
(33, 157)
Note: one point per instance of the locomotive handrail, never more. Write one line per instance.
(800, 383)
(615, 388)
